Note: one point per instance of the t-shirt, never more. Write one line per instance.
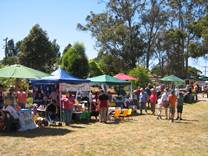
(103, 98)
(21, 97)
(172, 100)
(164, 97)
(67, 103)
(180, 101)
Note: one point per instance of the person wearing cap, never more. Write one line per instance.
(172, 104)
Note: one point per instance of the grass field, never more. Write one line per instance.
(144, 135)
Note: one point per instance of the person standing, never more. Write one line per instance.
(142, 100)
(172, 104)
(180, 102)
(103, 106)
(68, 102)
(21, 98)
(165, 103)
(153, 100)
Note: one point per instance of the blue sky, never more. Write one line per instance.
(58, 17)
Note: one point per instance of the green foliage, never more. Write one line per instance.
(94, 69)
(110, 64)
(117, 32)
(36, 51)
(142, 74)
(9, 60)
(75, 61)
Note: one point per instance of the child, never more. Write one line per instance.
(172, 103)
(180, 106)
(160, 105)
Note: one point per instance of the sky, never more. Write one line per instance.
(59, 18)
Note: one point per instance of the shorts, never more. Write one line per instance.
(179, 109)
(165, 104)
(172, 110)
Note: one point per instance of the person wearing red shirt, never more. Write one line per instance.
(21, 98)
(153, 100)
(103, 107)
(68, 102)
(172, 104)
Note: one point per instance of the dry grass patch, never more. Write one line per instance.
(144, 135)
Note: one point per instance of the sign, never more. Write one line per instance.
(64, 87)
(26, 121)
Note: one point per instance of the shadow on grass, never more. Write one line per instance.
(38, 132)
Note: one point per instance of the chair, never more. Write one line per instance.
(116, 114)
(124, 114)
(130, 113)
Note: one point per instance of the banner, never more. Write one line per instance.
(64, 87)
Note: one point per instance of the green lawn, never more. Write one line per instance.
(144, 135)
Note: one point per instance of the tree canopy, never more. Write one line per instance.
(37, 51)
(74, 61)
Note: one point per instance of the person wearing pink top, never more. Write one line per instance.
(153, 100)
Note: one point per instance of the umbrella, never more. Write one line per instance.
(172, 78)
(107, 79)
(122, 76)
(20, 71)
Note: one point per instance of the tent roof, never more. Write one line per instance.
(122, 76)
(60, 75)
(172, 78)
(107, 79)
(20, 71)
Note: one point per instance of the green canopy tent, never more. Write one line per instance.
(20, 71)
(172, 78)
(107, 79)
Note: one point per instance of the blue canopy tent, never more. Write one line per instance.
(59, 77)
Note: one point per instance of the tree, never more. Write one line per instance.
(110, 64)
(75, 61)
(37, 51)
(117, 31)
(199, 47)
(142, 74)
(94, 69)
(154, 20)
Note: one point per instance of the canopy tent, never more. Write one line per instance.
(122, 76)
(20, 71)
(60, 76)
(107, 79)
(172, 78)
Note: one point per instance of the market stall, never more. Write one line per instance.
(63, 82)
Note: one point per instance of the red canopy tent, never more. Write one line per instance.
(122, 76)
